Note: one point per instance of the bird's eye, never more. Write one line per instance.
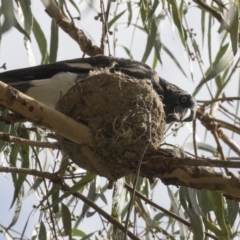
(183, 99)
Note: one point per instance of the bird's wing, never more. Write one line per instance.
(80, 66)
(47, 83)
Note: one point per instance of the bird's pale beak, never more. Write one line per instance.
(182, 113)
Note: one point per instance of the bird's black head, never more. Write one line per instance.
(180, 107)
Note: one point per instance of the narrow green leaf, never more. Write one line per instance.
(196, 48)
(34, 187)
(210, 226)
(47, 195)
(87, 237)
(143, 11)
(103, 197)
(25, 226)
(92, 196)
(118, 200)
(157, 48)
(55, 197)
(90, 214)
(97, 181)
(27, 13)
(53, 42)
(17, 186)
(153, 9)
(217, 203)
(41, 41)
(233, 209)
(150, 41)
(78, 233)
(83, 182)
(129, 7)
(176, 207)
(127, 51)
(176, 15)
(23, 151)
(18, 207)
(233, 18)
(203, 14)
(75, 6)
(147, 191)
(223, 59)
(158, 44)
(21, 30)
(155, 61)
(189, 203)
(42, 235)
(167, 234)
(9, 17)
(209, 38)
(204, 203)
(219, 81)
(76, 187)
(171, 55)
(115, 19)
(66, 218)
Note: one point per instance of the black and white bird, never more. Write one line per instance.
(47, 83)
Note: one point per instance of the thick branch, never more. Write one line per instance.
(216, 125)
(172, 171)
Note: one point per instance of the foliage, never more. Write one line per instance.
(210, 48)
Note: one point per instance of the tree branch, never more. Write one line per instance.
(68, 26)
(57, 180)
(44, 116)
(8, 138)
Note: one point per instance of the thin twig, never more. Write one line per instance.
(47, 199)
(171, 214)
(108, 217)
(8, 138)
(105, 26)
(149, 139)
(54, 178)
(223, 99)
(67, 25)
(227, 113)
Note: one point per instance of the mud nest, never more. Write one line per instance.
(116, 108)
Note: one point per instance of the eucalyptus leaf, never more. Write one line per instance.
(41, 41)
(222, 61)
(66, 218)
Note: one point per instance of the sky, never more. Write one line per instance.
(13, 53)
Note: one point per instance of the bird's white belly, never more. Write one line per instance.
(49, 91)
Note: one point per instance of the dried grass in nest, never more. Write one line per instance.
(114, 106)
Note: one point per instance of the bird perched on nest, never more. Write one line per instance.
(47, 83)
